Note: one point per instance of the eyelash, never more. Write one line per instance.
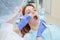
(34, 10)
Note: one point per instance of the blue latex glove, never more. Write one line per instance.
(24, 21)
(42, 27)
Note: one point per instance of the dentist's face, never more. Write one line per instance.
(34, 21)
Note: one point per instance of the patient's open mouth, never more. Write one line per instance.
(35, 17)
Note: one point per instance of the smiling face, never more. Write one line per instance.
(34, 21)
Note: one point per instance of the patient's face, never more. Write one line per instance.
(34, 21)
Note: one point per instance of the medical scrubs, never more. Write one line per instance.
(31, 35)
(51, 33)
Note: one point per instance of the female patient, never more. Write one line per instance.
(29, 31)
(28, 26)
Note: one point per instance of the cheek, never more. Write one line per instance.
(31, 21)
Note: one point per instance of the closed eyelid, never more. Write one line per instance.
(28, 11)
(34, 9)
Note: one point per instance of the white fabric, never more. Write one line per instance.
(7, 33)
(13, 36)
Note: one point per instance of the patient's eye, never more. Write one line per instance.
(28, 11)
(34, 9)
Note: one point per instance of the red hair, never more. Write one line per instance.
(27, 28)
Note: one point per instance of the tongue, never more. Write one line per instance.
(35, 17)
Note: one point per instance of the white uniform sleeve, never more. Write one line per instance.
(7, 33)
(13, 36)
(27, 36)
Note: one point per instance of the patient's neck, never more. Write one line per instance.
(35, 28)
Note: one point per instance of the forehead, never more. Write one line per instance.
(29, 7)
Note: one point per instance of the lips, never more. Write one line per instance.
(35, 17)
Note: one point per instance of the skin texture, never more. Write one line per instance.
(34, 23)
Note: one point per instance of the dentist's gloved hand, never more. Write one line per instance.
(24, 21)
(42, 27)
